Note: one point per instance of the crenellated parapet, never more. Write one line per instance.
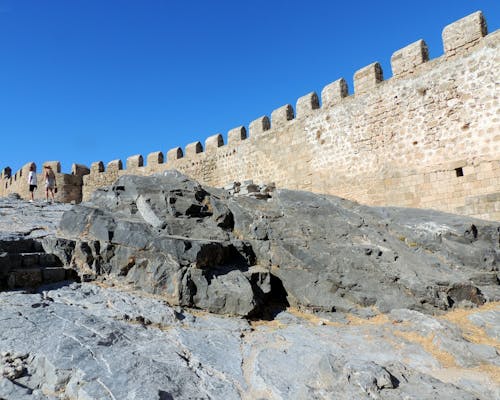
(425, 137)
(69, 185)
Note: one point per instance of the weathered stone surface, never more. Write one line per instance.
(197, 246)
(23, 228)
(116, 344)
(23, 220)
(88, 341)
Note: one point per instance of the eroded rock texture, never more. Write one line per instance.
(201, 247)
(165, 242)
(87, 342)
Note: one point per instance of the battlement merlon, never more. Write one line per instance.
(174, 154)
(236, 135)
(114, 166)
(135, 161)
(96, 167)
(333, 93)
(155, 158)
(464, 33)
(307, 104)
(259, 125)
(213, 142)
(405, 60)
(281, 116)
(192, 149)
(367, 78)
(79, 170)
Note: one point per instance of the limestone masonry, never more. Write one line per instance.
(428, 137)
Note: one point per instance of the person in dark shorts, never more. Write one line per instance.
(32, 181)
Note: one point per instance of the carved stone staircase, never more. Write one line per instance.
(24, 264)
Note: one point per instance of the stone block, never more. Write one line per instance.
(259, 125)
(367, 78)
(406, 59)
(174, 154)
(30, 259)
(79, 170)
(334, 93)
(135, 161)
(193, 148)
(236, 135)
(465, 32)
(306, 104)
(96, 167)
(114, 166)
(155, 158)
(50, 275)
(49, 260)
(213, 142)
(10, 261)
(24, 278)
(281, 115)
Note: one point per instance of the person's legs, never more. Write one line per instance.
(46, 194)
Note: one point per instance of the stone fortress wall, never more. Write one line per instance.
(69, 186)
(428, 137)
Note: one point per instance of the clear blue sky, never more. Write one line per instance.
(90, 80)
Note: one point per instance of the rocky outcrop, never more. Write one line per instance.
(104, 340)
(205, 248)
(84, 341)
(23, 261)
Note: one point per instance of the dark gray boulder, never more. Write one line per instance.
(202, 247)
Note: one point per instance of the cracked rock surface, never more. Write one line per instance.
(198, 294)
(84, 341)
(202, 247)
(24, 220)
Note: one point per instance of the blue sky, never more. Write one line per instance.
(89, 80)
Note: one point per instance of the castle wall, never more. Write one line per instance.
(69, 186)
(428, 137)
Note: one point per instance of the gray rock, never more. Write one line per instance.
(168, 235)
(113, 343)
(181, 244)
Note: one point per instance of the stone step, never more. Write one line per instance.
(20, 246)
(33, 277)
(9, 261)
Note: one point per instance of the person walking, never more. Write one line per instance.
(50, 182)
(32, 181)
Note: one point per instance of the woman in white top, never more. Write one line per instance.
(32, 180)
